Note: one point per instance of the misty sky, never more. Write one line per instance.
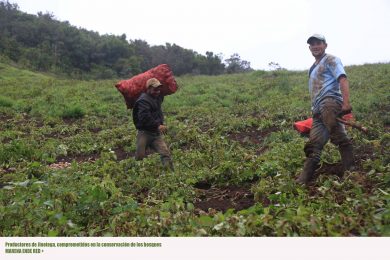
(357, 31)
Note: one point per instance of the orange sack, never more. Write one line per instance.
(132, 88)
(305, 125)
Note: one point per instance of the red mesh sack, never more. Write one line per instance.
(304, 126)
(132, 88)
(348, 117)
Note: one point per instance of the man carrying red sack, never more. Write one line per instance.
(149, 121)
(329, 91)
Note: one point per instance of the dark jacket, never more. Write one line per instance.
(147, 113)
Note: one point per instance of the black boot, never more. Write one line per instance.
(347, 160)
(309, 169)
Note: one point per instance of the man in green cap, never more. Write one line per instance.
(329, 92)
(149, 121)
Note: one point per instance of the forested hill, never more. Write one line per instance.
(40, 42)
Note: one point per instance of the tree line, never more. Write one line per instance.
(41, 42)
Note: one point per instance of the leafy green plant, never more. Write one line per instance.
(73, 112)
(5, 102)
(67, 165)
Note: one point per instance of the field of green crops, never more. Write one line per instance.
(67, 164)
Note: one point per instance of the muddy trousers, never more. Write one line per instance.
(325, 127)
(156, 142)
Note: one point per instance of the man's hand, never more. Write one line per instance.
(346, 109)
(162, 129)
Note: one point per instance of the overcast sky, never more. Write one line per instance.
(357, 31)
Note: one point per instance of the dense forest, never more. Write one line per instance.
(40, 42)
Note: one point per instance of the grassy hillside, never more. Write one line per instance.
(67, 166)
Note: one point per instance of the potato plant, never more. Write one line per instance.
(67, 164)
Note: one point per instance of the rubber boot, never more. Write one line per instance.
(168, 164)
(309, 169)
(347, 160)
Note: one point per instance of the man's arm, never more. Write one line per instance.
(344, 87)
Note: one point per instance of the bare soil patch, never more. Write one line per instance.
(223, 198)
(251, 135)
(331, 169)
(78, 158)
(6, 140)
(95, 130)
(69, 120)
(65, 161)
(121, 154)
(4, 118)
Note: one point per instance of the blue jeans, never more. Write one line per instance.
(325, 127)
